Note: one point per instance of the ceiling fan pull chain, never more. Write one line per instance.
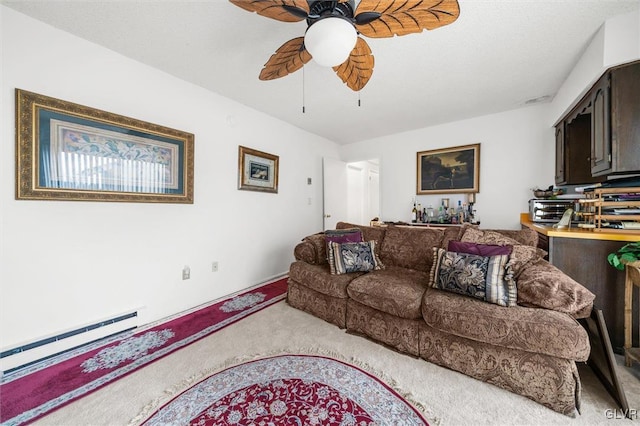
(359, 98)
(303, 89)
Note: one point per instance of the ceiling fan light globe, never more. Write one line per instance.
(330, 41)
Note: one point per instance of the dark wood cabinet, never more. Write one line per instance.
(625, 119)
(573, 147)
(601, 128)
(560, 179)
(600, 137)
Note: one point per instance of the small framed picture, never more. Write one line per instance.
(257, 170)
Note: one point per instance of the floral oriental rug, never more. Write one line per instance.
(286, 390)
(33, 391)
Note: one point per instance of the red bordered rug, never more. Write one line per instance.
(34, 391)
(287, 390)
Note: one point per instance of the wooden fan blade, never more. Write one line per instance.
(280, 10)
(290, 57)
(402, 17)
(356, 71)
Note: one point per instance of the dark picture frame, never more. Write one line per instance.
(66, 151)
(449, 170)
(257, 170)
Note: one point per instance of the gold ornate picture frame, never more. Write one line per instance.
(257, 170)
(449, 170)
(67, 151)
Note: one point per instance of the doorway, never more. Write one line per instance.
(351, 192)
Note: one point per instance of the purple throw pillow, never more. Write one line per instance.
(341, 236)
(479, 249)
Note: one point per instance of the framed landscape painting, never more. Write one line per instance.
(66, 151)
(449, 170)
(257, 170)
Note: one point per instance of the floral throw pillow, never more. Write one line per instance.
(521, 255)
(353, 257)
(351, 235)
(487, 278)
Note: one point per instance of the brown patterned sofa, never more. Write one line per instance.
(530, 349)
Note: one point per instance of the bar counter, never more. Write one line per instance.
(582, 254)
(574, 232)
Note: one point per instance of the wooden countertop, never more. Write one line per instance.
(572, 232)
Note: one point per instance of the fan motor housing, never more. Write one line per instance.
(319, 9)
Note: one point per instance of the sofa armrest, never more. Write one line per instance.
(543, 285)
(312, 250)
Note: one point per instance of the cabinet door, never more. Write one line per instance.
(625, 118)
(560, 177)
(577, 145)
(601, 128)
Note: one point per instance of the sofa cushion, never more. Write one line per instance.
(369, 233)
(396, 291)
(482, 277)
(347, 258)
(526, 236)
(452, 233)
(410, 248)
(521, 254)
(528, 329)
(319, 278)
(543, 285)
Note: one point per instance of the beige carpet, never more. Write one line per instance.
(447, 397)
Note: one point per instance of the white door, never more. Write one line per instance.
(334, 180)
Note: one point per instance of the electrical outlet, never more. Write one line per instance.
(186, 273)
(214, 266)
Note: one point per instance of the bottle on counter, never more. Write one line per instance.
(414, 213)
(450, 215)
(459, 213)
(419, 213)
(430, 214)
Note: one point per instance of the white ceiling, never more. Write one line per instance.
(495, 57)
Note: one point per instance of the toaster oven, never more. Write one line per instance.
(550, 211)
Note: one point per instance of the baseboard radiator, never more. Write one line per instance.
(12, 359)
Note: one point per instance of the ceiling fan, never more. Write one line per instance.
(332, 37)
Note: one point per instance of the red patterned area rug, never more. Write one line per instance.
(286, 390)
(32, 392)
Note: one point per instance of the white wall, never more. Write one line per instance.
(516, 153)
(65, 264)
(615, 43)
(517, 149)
